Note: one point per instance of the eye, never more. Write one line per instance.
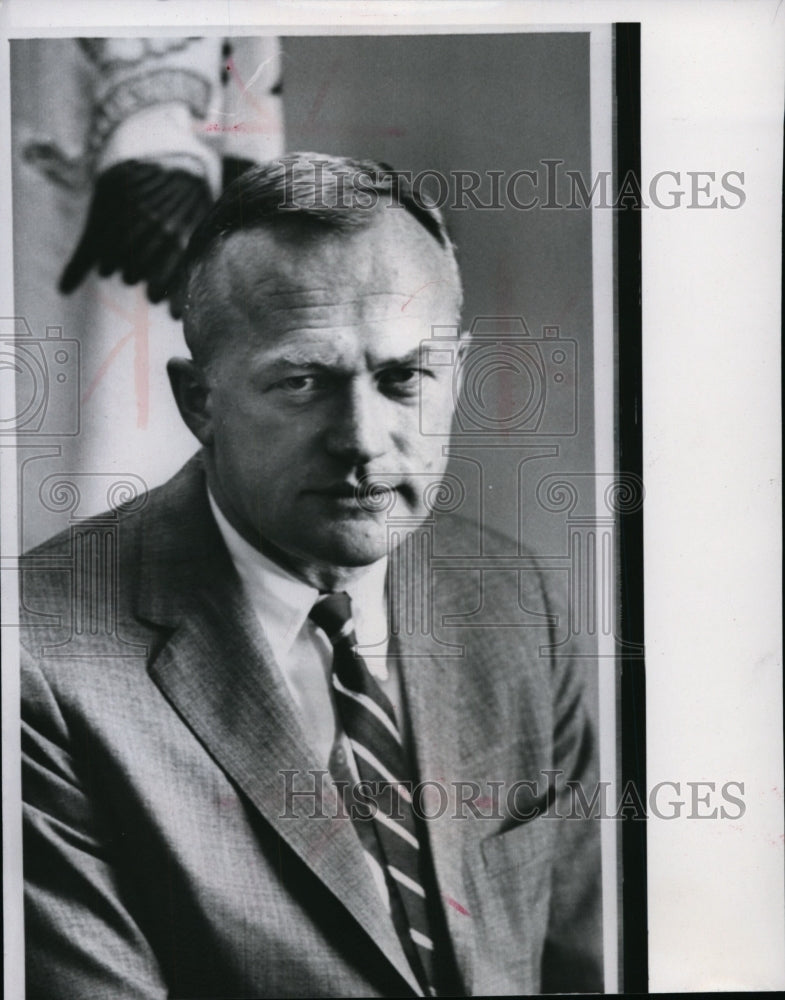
(299, 384)
(401, 379)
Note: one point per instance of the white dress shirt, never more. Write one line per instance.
(282, 603)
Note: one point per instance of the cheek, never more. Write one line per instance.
(435, 413)
(426, 454)
(242, 447)
(250, 422)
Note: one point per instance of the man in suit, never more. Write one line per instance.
(261, 755)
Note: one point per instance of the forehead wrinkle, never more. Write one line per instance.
(266, 281)
(287, 317)
(350, 312)
(326, 296)
(383, 249)
(316, 292)
(257, 300)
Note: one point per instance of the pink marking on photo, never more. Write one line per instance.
(138, 335)
(261, 107)
(321, 94)
(455, 905)
(417, 292)
(244, 127)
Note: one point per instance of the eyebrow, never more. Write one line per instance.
(287, 361)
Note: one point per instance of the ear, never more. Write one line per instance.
(191, 389)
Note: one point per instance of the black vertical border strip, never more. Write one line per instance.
(635, 972)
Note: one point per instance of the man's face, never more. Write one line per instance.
(318, 383)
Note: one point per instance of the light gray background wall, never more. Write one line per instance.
(501, 102)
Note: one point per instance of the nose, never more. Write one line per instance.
(358, 431)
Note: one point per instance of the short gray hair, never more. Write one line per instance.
(306, 191)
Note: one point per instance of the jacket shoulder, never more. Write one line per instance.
(130, 515)
(471, 553)
(90, 570)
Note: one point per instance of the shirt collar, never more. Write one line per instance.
(283, 601)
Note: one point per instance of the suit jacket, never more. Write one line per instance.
(165, 855)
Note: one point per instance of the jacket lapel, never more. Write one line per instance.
(438, 718)
(218, 672)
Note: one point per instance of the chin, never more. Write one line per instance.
(356, 556)
(355, 549)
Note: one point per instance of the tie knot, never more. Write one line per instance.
(333, 614)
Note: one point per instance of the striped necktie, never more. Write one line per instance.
(368, 719)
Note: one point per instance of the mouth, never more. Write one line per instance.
(340, 491)
(370, 497)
